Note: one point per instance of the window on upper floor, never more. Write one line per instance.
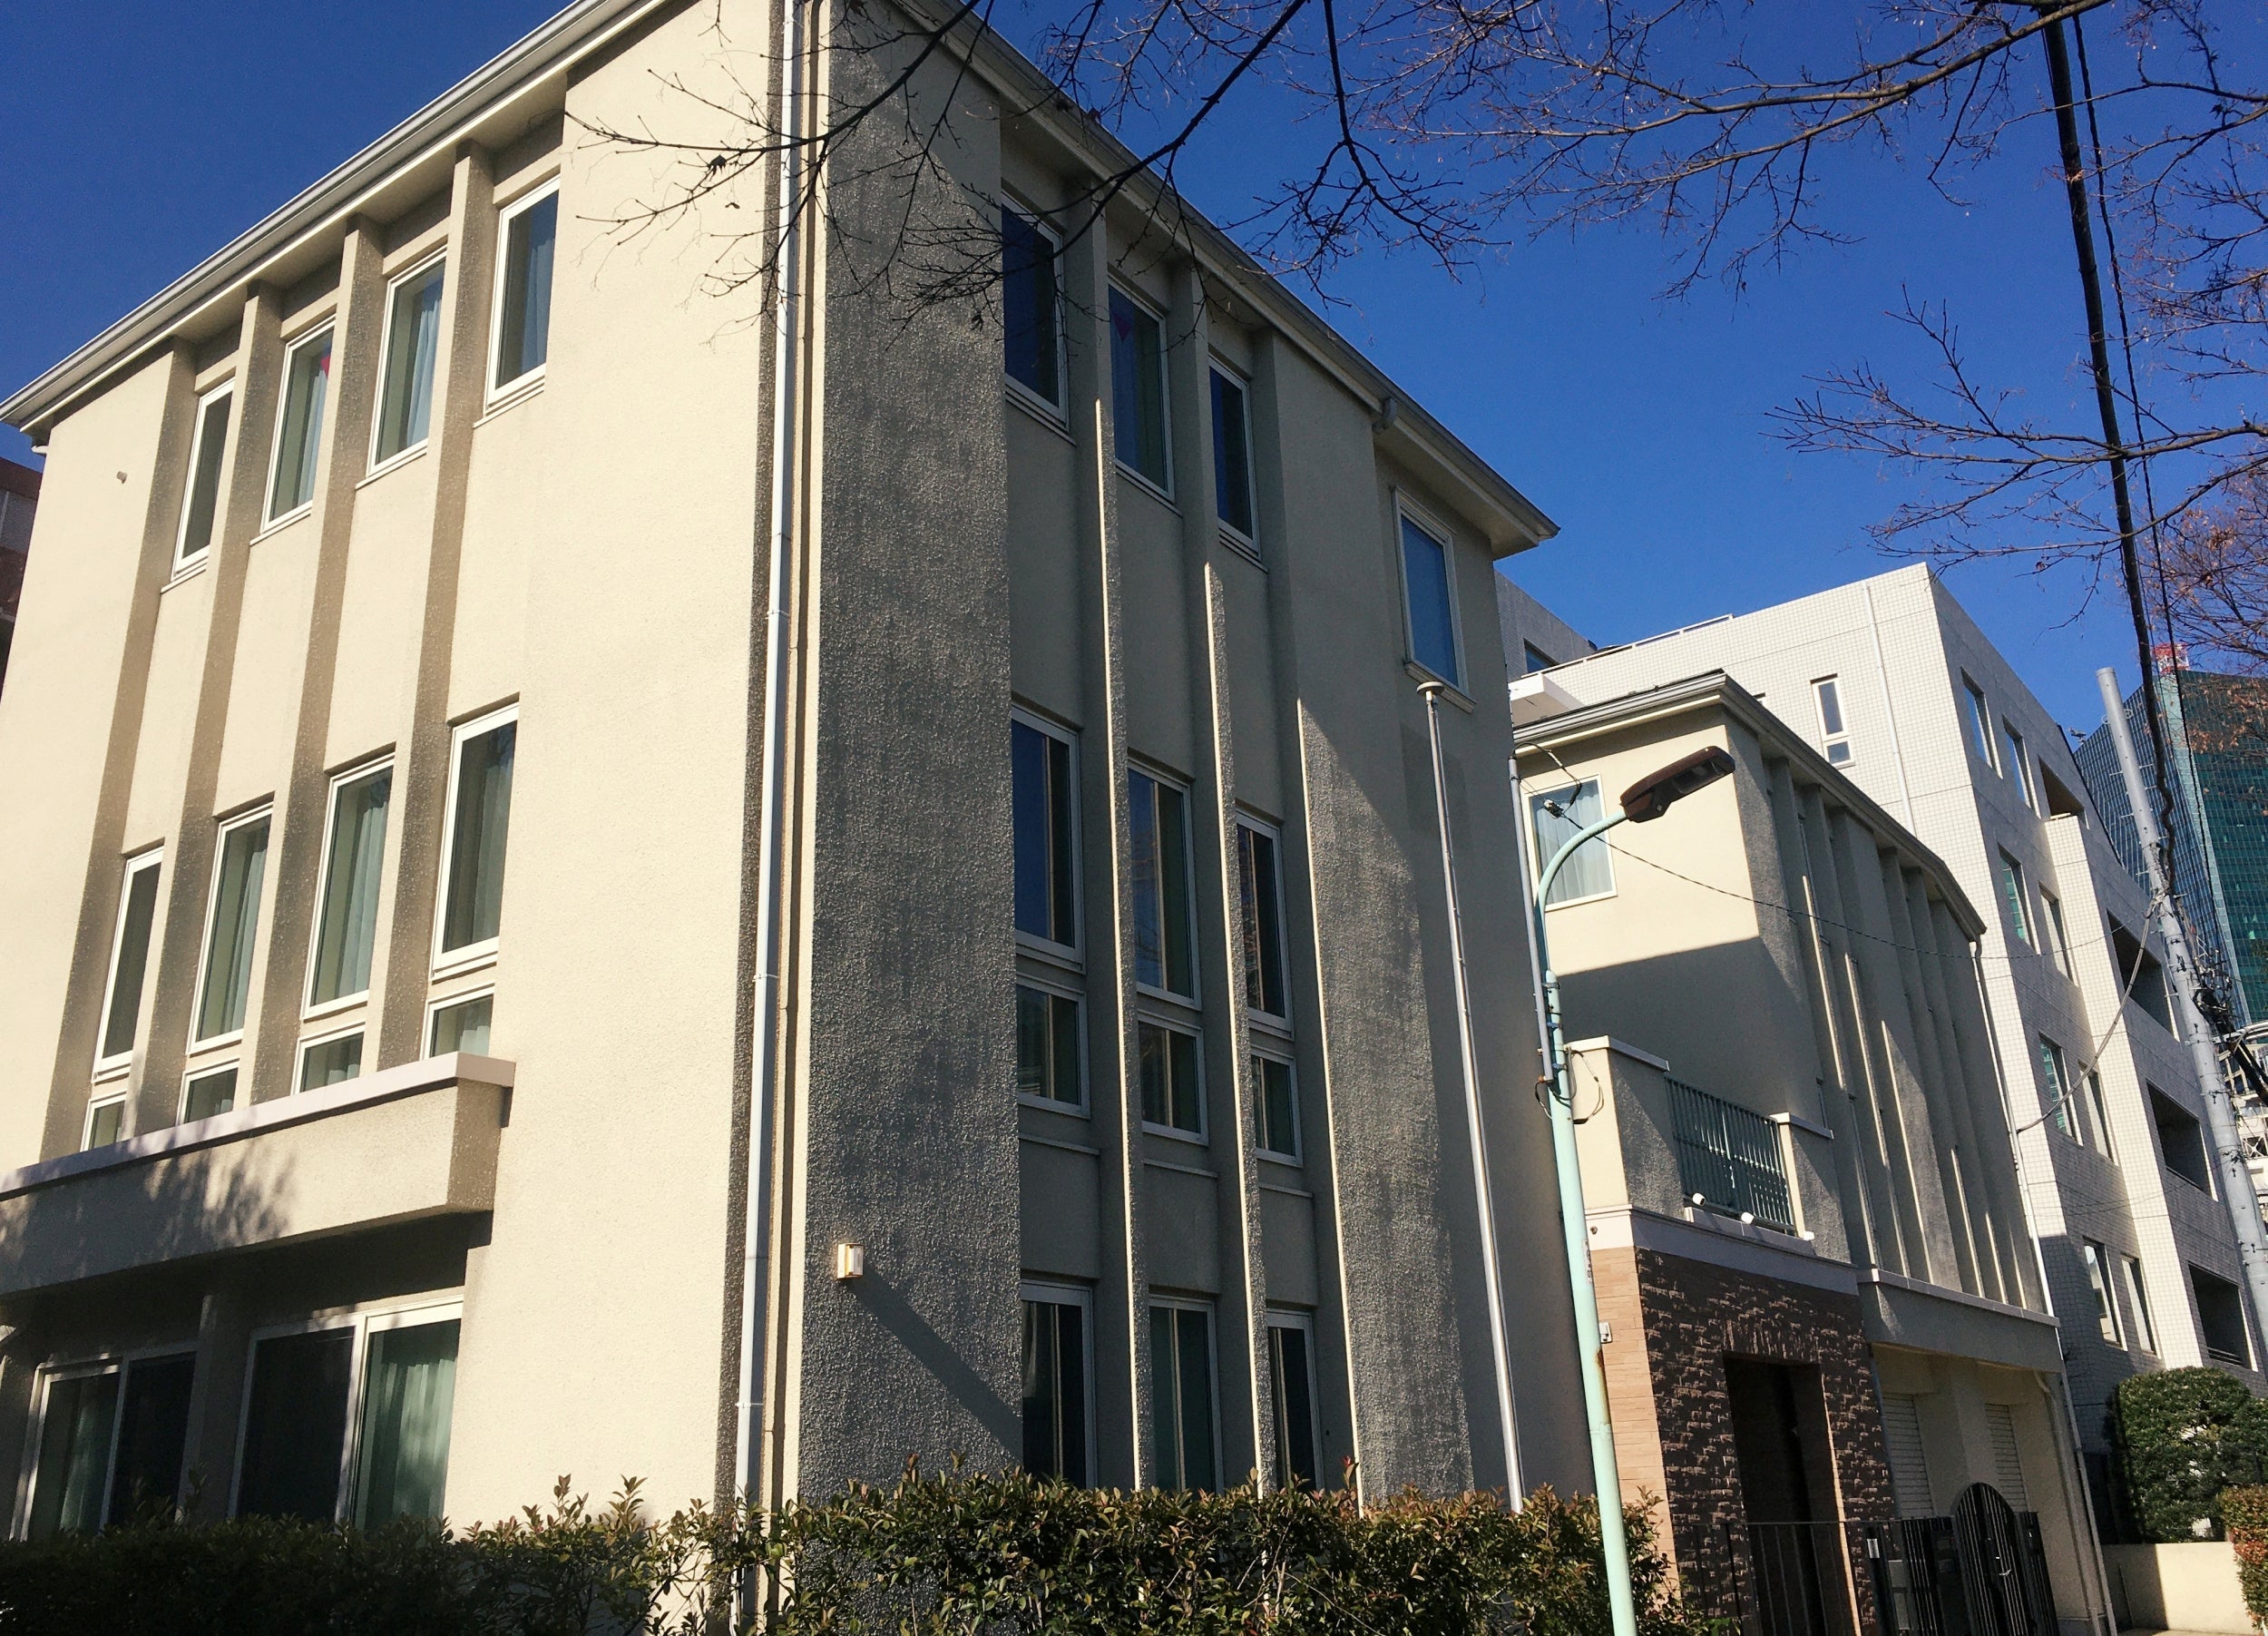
(105, 1121)
(1275, 1099)
(2138, 1299)
(2056, 1088)
(1044, 798)
(2098, 1261)
(332, 1060)
(2019, 766)
(2220, 1318)
(1172, 1083)
(1560, 815)
(232, 928)
(1165, 946)
(1291, 1396)
(2058, 935)
(1232, 456)
(460, 1022)
(1047, 1052)
(2014, 897)
(1429, 603)
(413, 341)
(208, 1092)
(346, 917)
(522, 322)
(306, 382)
(1032, 306)
(478, 821)
(1138, 390)
(208, 464)
(2098, 1109)
(1185, 1446)
(1827, 693)
(2181, 1140)
(130, 963)
(1260, 892)
(1057, 1405)
(2141, 975)
(1535, 659)
(111, 1437)
(1979, 719)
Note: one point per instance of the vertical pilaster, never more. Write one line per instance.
(216, 1399)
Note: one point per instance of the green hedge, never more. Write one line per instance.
(987, 1555)
(2244, 1513)
(2181, 1437)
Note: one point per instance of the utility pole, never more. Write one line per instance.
(2236, 1178)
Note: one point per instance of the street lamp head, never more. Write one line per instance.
(1656, 793)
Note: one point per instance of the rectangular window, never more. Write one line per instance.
(2098, 1262)
(111, 1441)
(330, 1061)
(460, 1023)
(1183, 1453)
(1047, 1047)
(1164, 952)
(299, 425)
(2013, 894)
(2055, 1088)
(208, 1092)
(480, 812)
(208, 456)
(1172, 1096)
(130, 963)
(1046, 815)
(1055, 1395)
(2141, 975)
(1259, 889)
(347, 921)
(2220, 1318)
(1138, 390)
(2019, 767)
(2181, 1140)
(1534, 658)
(105, 1121)
(2100, 1109)
(1428, 602)
(1032, 306)
(1979, 720)
(1277, 1100)
(2138, 1300)
(524, 292)
(1559, 816)
(232, 927)
(1827, 691)
(1232, 456)
(351, 1422)
(1292, 1388)
(412, 338)
(2057, 934)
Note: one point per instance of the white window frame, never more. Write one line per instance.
(1211, 1310)
(182, 563)
(310, 1011)
(363, 1319)
(441, 1003)
(324, 327)
(189, 1076)
(1543, 858)
(1057, 414)
(1152, 1016)
(1073, 953)
(1829, 738)
(1249, 542)
(1297, 1157)
(2095, 1255)
(472, 955)
(417, 268)
(1082, 1298)
(1269, 1021)
(311, 1042)
(1978, 704)
(2098, 1110)
(110, 1067)
(493, 395)
(2012, 867)
(35, 1423)
(1062, 986)
(1408, 511)
(1195, 999)
(2138, 1297)
(2062, 1109)
(95, 1105)
(2018, 769)
(1281, 1318)
(204, 932)
(2058, 937)
(1165, 393)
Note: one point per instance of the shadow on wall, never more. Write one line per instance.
(1720, 1015)
(161, 1211)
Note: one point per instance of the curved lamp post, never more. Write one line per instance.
(1642, 803)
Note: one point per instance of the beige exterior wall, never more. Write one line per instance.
(594, 553)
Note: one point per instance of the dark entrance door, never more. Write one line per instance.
(1795, 1547)
(2002, 1562)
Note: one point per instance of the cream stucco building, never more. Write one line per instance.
(601, 886)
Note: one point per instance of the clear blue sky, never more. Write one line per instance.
(1640, 426)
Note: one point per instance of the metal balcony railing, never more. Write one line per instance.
(1730, 1157)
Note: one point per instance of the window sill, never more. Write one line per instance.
(332, 1008)
(1055, 955)
(1450, 690)
(1572, 903)
(103, 1076)
(456, 966)
(1165, 996)
(1163, 496)
(219, 1042)
(1238, 544)
(1176, 1133)
(1021, 397)
(509, 398)
(276, 527)
(1270, 1023)
(188, 571)
(1181, 1170)
(1290, 1161)
(392, 463)
(1066, 1147)
(1047, 1104)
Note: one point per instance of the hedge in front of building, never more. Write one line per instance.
(959, 1556)
(2244, 1513)
(2181, 1437)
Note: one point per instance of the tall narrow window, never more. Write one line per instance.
(480, 812)
(1232, 455)
(1560, 815)
(1046, 834)
(76, 1435)
(111, 1441)
(1278, 1108)
(1828, 692)
(2051, 926)
(409, 1391)
(413, 339)
(2221, 1317)
(1164, 955)
(1979, 720)
(2098, 1262)
(295, 1425)
(330, 1061)
(1055, 1393)
(208, 456)
(2019, 767)
(130, 963)
(1259, 888)
(232, 927)
(1030, 306)
(346, 922)
(524, 292)
(2013, 894)
(1432, 611)
(1182, 1452)
(299, 428)
(208, 1092)
(1291, 1383)
(460, 1024)
(2055, 1088)
(1047, 1046)
(2100, 1109)
(2138, 1298)
(1172, 1097)
(1137, 389)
